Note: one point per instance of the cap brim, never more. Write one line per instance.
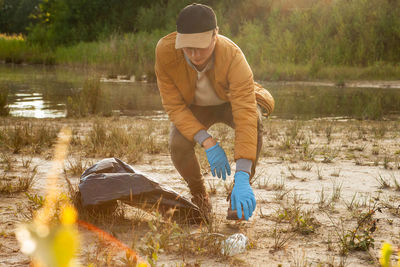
(196, 40)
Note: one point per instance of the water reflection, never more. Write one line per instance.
(306, 102)
(43, 92)
(33, 105)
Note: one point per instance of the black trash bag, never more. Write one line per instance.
(111, 179)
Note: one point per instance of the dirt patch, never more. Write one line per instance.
(327, 193)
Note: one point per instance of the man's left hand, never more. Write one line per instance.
(242, 196)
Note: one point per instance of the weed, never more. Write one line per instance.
(138, 215)
(77, 166)
(353, 204)
(26, 162)
(299, 259)
(300, 221)
(386, 161)
(306, 167)
(380, 131)
(36, 200)
(328, 132)
(212, 187)
(336, 190)
(396, 183)
(383, 183)
(319, 172)
(322, 199)
(294, 129)
(280, 195)
(292, 175)
(97, 136)
(129, 143)
(375, 151)
(89, 100)
(390, 203)
(170, 237)
(26, 182)
(279, 185)
(286, 143)
(263, 182)
(8, 160)
(307, 153)
(22, 184)
(4, 110)
(155, 240)
(23, 135)
(336, 173)
(358, 148)
(329, 154)
(228, 186)
(281, 236)
(359, 237)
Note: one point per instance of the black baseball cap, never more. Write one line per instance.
(195, 26)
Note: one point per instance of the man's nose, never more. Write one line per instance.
(195, 52)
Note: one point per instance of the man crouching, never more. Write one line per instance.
(204, 78)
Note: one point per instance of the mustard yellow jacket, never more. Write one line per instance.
(232, 80)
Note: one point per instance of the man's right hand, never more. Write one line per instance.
(218, 161)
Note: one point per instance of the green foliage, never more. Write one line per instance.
(14, 15)
(72, 21)
(128, 54)
(300, 221)
(360, 237)
(252, 39)
(281, 39)
(36, 201)
(340, 32)
(17, 50)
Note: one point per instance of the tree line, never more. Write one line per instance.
(316, 32)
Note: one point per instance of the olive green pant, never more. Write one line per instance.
(182, 150)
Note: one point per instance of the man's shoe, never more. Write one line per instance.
(204, 205)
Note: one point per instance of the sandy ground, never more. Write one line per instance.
(333, 171)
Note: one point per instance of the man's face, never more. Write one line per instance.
(200, 56)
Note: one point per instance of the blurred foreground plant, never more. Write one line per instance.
(52, 237)
(52, 242)
(386, 253)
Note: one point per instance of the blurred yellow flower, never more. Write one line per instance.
(68, 215)
(18, 37)
(386, 252)
(65, 246)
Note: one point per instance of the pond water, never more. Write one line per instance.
(42, 92)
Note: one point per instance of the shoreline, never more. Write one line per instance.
(300, 77)
(385, 84)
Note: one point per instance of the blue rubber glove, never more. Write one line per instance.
(242, 196)
(218, 162)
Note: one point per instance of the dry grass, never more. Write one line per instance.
(299, 153)
(26, 135)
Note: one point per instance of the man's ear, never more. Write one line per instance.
(216, 33)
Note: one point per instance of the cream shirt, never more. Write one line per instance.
(205, 94)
